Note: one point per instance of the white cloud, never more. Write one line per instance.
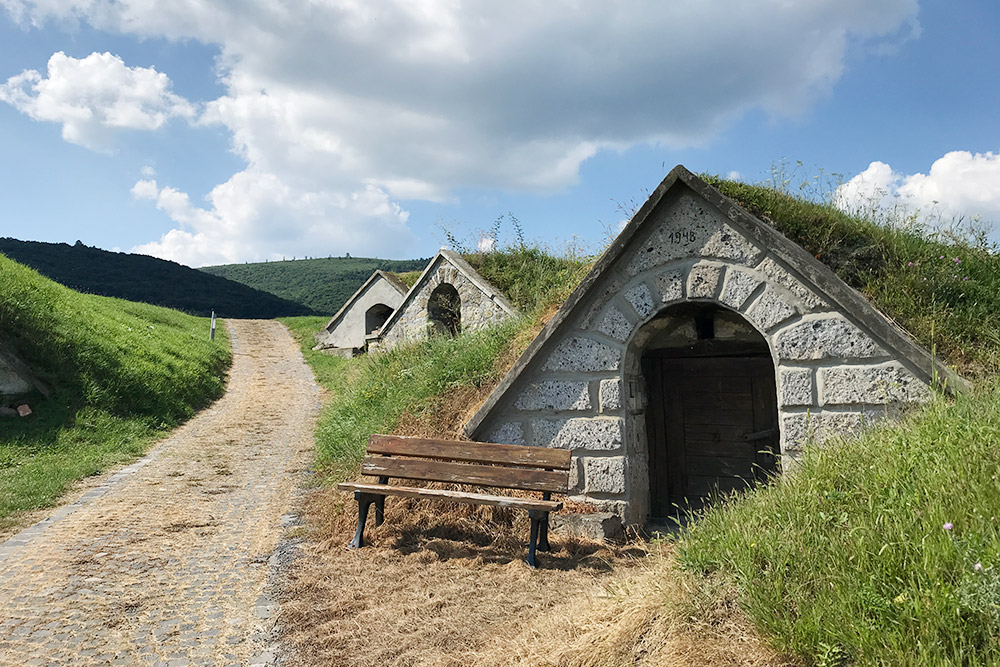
(486, 243)
(960, 185)
(415, 99)
(248, 217)
(93, 95)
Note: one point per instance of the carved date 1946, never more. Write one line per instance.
(681, 236)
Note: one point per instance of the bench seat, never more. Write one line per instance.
(482, 464)
(457, 496)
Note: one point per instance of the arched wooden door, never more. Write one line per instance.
(712, 425)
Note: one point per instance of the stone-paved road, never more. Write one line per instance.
(166, 562)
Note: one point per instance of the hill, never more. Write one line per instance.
(119, 373)
(147, 279)
(322, 284)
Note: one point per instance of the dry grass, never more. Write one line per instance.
(436, 584)
(645, 615)
(446, 584)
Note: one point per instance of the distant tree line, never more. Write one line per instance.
(148, 279)
(322, 284)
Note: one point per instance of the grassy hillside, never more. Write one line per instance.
(147, 279)
(323, 285)
(880, 551)
(944, 290)
(121, 373)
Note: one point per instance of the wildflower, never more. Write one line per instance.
(965, 278)
(909, 263)
(948, 525)
(958, 261)
(941, 257)
(978, 567)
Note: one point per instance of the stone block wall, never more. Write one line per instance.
(584, 390)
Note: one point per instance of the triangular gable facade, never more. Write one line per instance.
(703, 342)
(450, 284)
(363, 314)
(17, 378)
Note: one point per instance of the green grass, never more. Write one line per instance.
(528, 276)
(409, 278)
(369, 394)
(849, 555)
(947, 305)
(121, 372)
(327, 368)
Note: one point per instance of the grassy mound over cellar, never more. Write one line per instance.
(883, 550)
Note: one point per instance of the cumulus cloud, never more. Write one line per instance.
(246, 217)
(959, 185)
(415, 99)
(93, 95)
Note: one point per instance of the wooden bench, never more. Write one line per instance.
(475, 463)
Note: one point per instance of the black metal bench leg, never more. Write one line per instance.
(379, 510)
(543, 533)
(533, 538)
(364, 502)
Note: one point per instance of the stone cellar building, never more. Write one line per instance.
(448, 298)
(702, 350)
(363, 315)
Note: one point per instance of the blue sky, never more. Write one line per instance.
(226, 132)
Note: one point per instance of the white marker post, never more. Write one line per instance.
(211, 335)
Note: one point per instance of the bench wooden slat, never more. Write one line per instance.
(456, 450)
(466, 473)
(457, 496)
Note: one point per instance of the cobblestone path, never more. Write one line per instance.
(166, 562)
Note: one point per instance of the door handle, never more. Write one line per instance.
(760, 435)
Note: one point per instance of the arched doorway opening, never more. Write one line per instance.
(375, 317)
(711, 415)
(444, 311)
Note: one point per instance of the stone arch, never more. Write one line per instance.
(444, 310)
(707, 418)
(375, 317)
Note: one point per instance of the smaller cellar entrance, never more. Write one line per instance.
(375, 317)
(444, 311)
(711, 416)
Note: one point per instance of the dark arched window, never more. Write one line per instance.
(376, 316)
(444, 311)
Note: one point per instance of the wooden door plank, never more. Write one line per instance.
(701, 487)
(720, 466)
(765, 406)
(674, 387)
(656, 438)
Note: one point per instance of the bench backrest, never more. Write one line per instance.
(478, 463)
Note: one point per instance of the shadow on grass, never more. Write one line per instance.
(450, 541)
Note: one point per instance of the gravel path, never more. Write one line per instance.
(166, 562)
